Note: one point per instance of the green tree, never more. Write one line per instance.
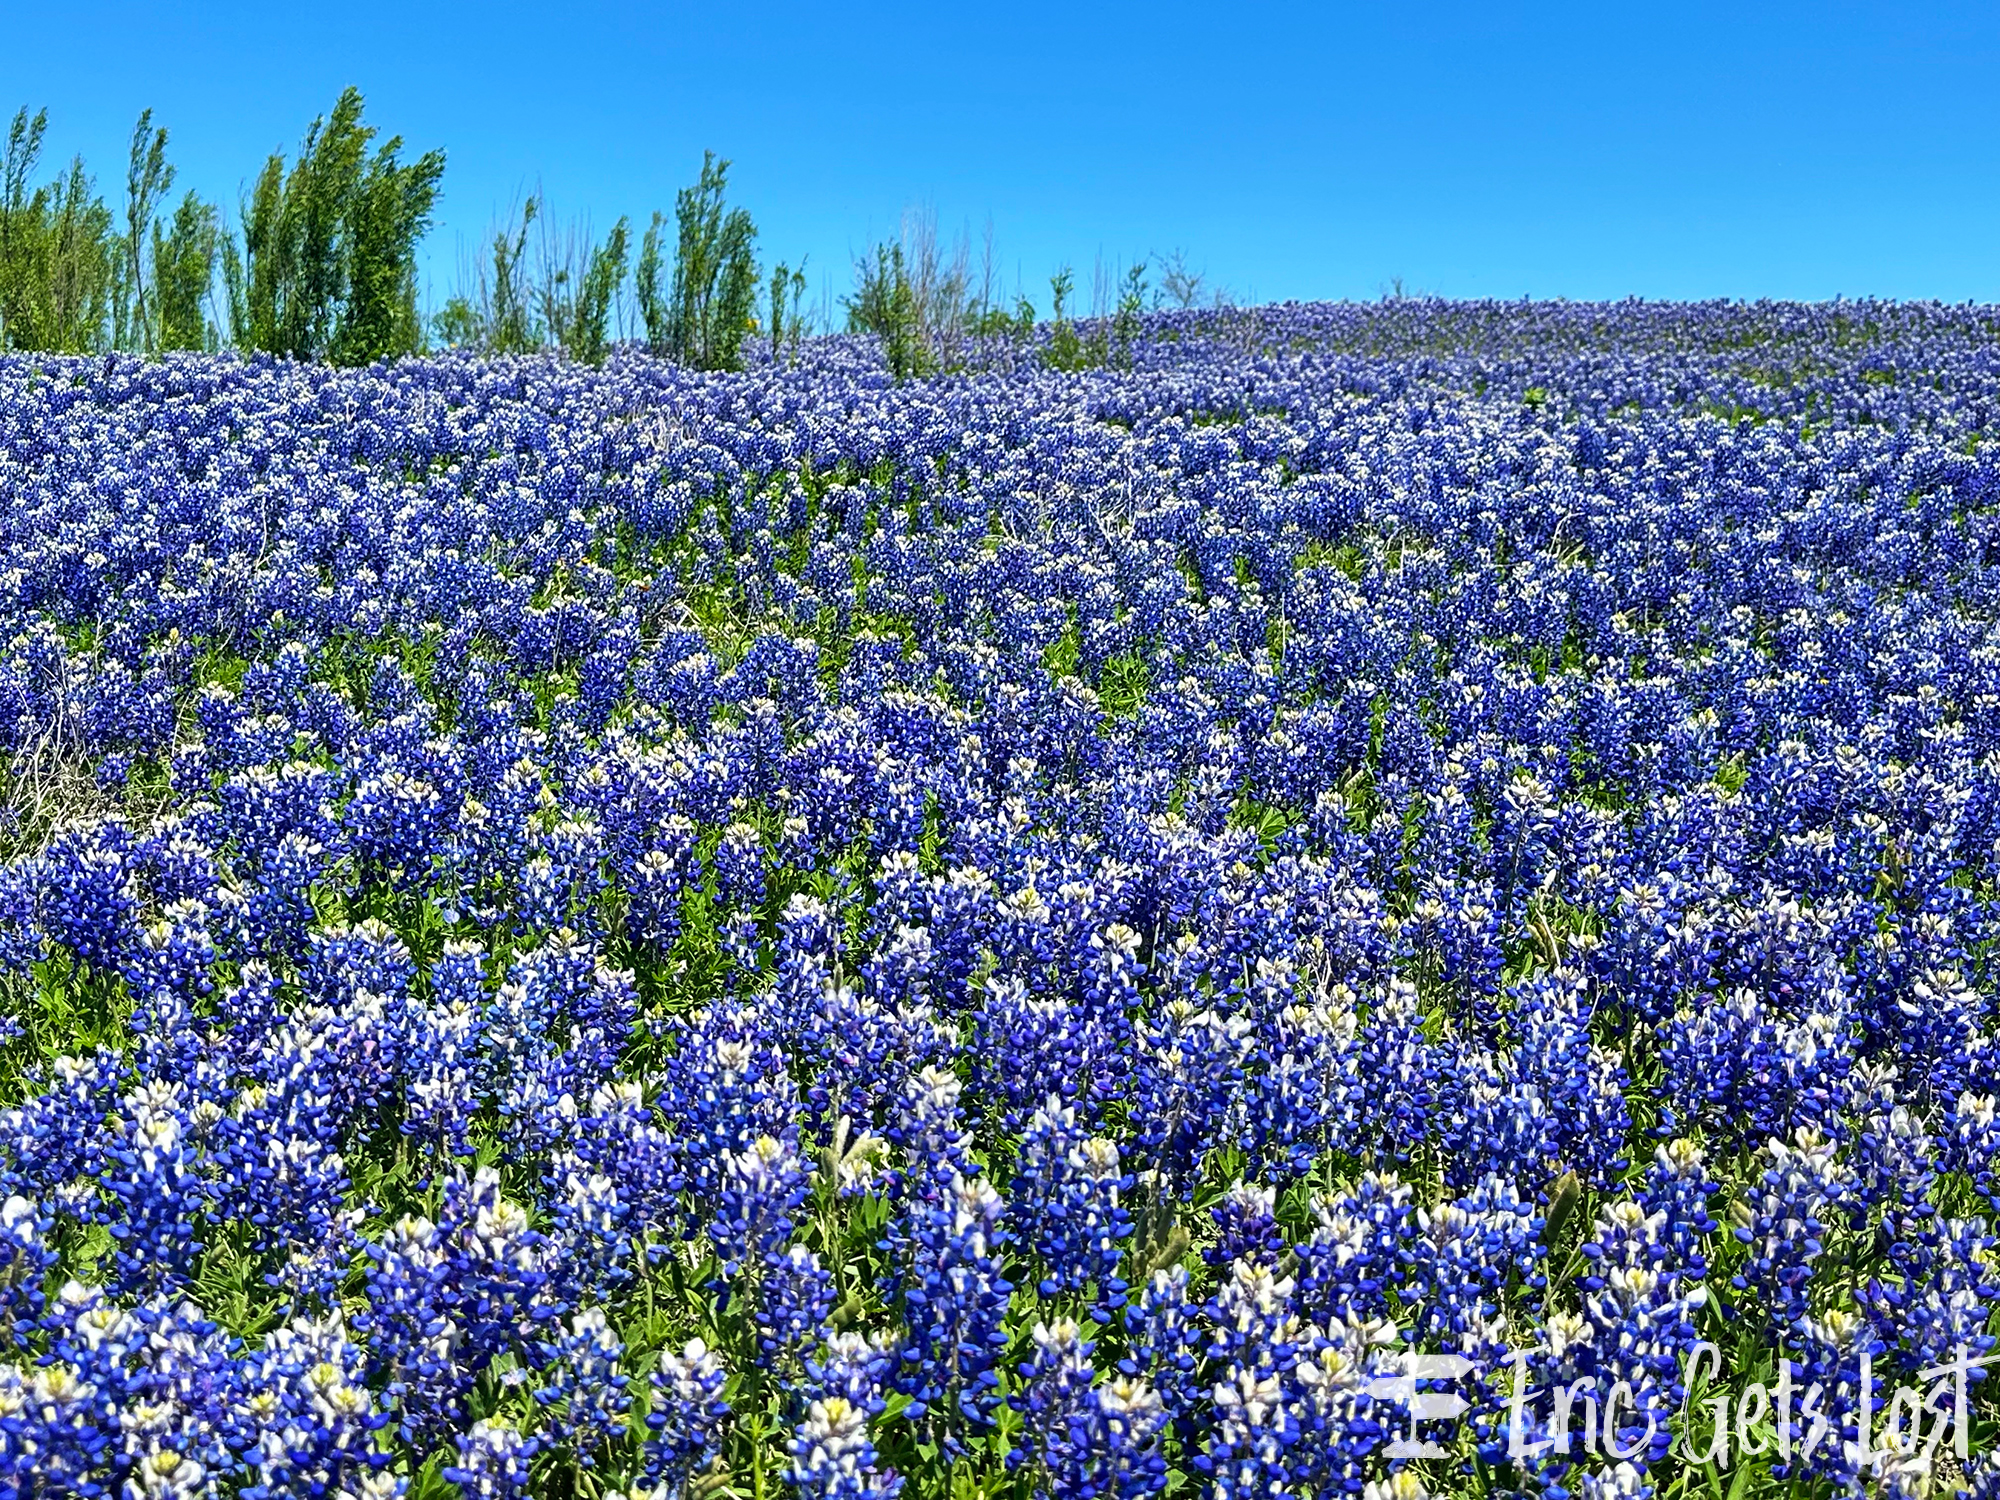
(81, 265)
(780, 280)
(714, 288)
(885, 303)
(509, 320)
(646, 287)
(787, 282)
(59, 254)
(589, 326)
(329, 247)
(148, 176)
(391, 212)
(915, 295)
(184, 264)
(458, 324)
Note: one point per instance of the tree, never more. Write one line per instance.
(58, 252)
(708, 310)
(148, 176)
(916, 296)
(329, 248)
(390, 213)
(508, 317)
(184, 261)
(786, 282)
(590, 319)
(20, 234)
(646, 287)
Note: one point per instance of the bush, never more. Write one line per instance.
(705, 313)
(329, 248)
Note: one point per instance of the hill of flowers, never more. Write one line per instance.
(1035, 932)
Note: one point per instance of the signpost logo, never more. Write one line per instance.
(1423, 1405)
(1906, 1427)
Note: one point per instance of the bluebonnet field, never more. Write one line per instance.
(1026, 933)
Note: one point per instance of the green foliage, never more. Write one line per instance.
(148, 176)
(780, 276)
(71, 282)
(709, 306)
(1110, 340)
(787, 282)
(646, 288)
(184, 264)
(1065, 349)
(497, 316)
(509, 321)
(589, 338)
(700, 317)
(389, 215)
(19, 234)
(565, 300)
(457, 325)
(917, 299)
(59, 254)
(330, 246)
(1131, 308)
(885, 304)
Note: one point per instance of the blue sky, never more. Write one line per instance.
(1585, 151)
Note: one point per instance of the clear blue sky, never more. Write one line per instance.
(1550, 149)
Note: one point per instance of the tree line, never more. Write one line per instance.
(319, 262)
(320, 265)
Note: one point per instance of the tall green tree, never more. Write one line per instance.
(20, 230)
(647, 290)
(148, 177)
(588, 329)
(390, 214)
(329, 247)
(185, 256)
(59, 252)
(510, 326)
(81, 247)
(709, 308)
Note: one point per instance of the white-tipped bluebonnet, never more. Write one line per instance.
(493, 1458)
(586, 1395)
(953, 1292)
(685, 1418)
(1064, 1206)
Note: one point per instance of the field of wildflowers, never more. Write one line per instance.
(1036, 932)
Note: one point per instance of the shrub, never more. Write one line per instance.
(329, 247)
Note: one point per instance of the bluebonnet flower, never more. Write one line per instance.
(954, 1298)
(656, 884)
(832, 1455)
(25, 1261)
(308, 1382)
(1798, 1192)
(448, 1074)
(1065, 1207)
(1184, 1086)
(832, 1451)
(763, 1187)
(684, 1421)
(1087, 1438)
(1361, 1253)
(1032, 1047)
(726, 1085)
(586, 1392)
(446, 1299)
(87, 897)
(492, 1461)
